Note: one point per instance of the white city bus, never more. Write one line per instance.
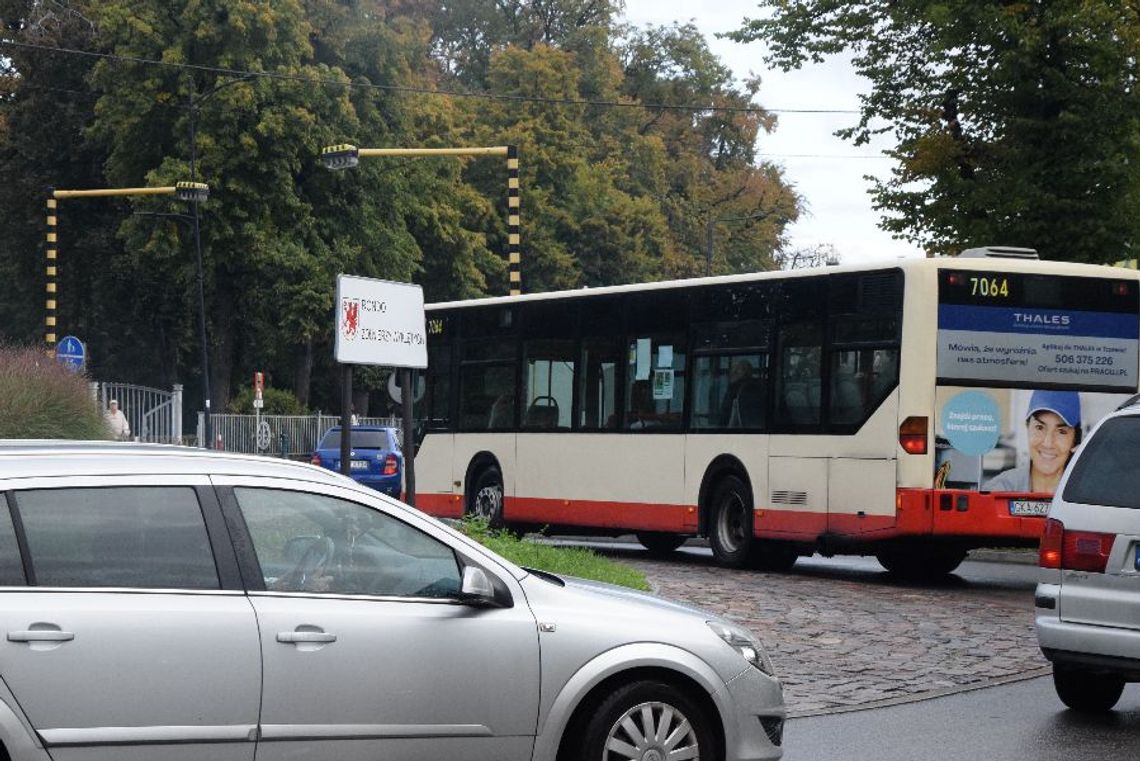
(877, 410)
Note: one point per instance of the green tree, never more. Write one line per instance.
(708, 128)
(1013, 122)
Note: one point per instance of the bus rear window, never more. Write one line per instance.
(1106, 473)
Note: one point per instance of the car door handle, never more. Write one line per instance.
(40, 635)
(293, 638)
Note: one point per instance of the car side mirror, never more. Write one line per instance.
(477, 586)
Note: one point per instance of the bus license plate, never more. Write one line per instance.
(360, 464)
(1027, 507)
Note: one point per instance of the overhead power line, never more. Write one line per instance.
(404, 89)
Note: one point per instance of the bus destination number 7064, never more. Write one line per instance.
(989, 287)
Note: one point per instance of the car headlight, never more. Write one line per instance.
(744, 642)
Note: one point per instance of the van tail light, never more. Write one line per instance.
(1086, 551)
(1049, 552)
(1074, 550)
(391, 466)
(913, 434)
(315, 459)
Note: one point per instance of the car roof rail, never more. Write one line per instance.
(999, 252)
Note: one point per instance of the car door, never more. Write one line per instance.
(132, 638)
(368, 653)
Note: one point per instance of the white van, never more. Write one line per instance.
(1088, 595)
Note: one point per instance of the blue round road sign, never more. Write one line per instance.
(71, 353)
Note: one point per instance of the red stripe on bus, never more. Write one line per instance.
(641, 516)
(440, 505)
(918, 512)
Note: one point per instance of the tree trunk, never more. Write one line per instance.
(303, 371)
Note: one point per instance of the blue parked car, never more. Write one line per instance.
(376, 457)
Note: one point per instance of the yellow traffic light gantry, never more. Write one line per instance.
(347, 156)
(184, 191)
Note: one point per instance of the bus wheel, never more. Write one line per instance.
(730, 523)
(659, 542)
(921, 564)
(487, 497)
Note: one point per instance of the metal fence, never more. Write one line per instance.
(154, 415)
(293, 436)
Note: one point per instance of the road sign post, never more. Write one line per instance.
(380, 322)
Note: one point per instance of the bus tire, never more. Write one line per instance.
(660, 542)
(921, 564)
(730, 523)
(486, 499)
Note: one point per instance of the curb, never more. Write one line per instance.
(920, 696)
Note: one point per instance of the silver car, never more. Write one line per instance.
(165, 603)
(1088, 598)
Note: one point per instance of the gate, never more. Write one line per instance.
(153, 414)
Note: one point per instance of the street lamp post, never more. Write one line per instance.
(194, 104)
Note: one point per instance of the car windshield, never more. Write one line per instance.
(360, 440)
(1106, 473)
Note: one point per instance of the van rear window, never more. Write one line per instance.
(1107, 473)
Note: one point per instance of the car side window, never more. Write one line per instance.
(11, 569)
(315, 543)
(142, 537)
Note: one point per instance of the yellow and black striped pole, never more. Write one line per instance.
(186, 191)
(514, 255)
(347, 156)
(50, 253)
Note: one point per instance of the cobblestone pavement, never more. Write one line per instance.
(842, 643)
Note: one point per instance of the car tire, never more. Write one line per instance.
(641, 720)
(486, 499)
(660, 542)
(921, 564)
(1085, 692)
(730, 523)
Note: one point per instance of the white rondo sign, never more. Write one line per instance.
(379, 322)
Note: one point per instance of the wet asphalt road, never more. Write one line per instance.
(1023, 721)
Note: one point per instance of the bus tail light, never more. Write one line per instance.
(390, 465)
(1074, 550)
(913, 434)
(315, 459)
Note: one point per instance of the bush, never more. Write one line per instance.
(277, 402)
(40, 399)
(563, 561)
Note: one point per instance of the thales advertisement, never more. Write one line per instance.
(1022, 379)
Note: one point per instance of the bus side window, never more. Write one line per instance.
(798, 394)
(597, 375)
(731, 391)
(548, 375)
(655, 378)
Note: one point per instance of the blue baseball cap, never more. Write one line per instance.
(1065, 404)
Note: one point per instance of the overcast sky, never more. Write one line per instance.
(826, 171)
